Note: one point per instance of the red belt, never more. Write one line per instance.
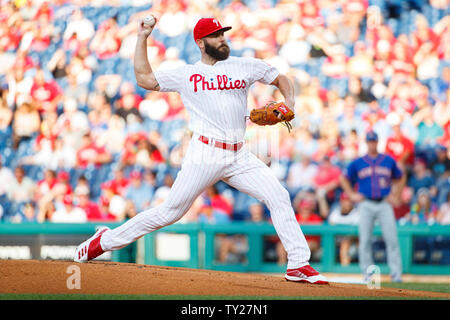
(222, 145)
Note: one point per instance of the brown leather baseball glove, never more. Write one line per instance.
(272, 113)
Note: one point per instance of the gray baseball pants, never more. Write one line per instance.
(370, 212)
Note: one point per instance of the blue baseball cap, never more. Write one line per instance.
(371, 136)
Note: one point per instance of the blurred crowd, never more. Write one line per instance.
(79, 141)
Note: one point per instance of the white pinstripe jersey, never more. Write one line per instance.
(215, 96)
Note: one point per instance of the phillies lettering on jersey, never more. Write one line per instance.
(215, 96)
(223, 83)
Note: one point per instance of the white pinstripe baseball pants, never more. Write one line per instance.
(203, 166)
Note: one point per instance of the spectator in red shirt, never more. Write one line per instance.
(45, 185)
(310, 16)
(63, 183)
(130, 147)
(90, 153)
(108, 214)
(44, 147)
(148, 154)
(41, 37)
(423, 34)
(140, 150)
(327, 178)
(128, 95)
(106, 42)
(91, 208)
(45, 11)
(398, 146)
(113, 205)
(383, 43)
(427, 62)
(403, 207)
(46, 139)
(444, 46)
(401, 60)
(45, 94)
(79, 30)
(119, 183)
(23, 61)
(306, 215)
(402, 100)
(216, 208)
(176, 106)
(445, 139)
(9, 37)
(73, 43)
(49, 201)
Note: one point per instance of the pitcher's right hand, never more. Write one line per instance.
(145, 30)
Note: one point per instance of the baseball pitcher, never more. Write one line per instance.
(214, 91)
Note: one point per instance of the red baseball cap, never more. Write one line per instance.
(63, 175)
(206, 26)
(108, 185)
(67, 199)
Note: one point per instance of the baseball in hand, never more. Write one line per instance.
(149, 20)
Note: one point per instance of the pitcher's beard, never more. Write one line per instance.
(218, 54)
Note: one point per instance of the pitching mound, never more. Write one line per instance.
(51, 277)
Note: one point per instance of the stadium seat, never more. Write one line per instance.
(75, 174)
(161, 171)
(14, 208)
(152, 125)
(177, 42)
(421, 250)
(394, 26)
(440, 250)
(379, 250)
(4, 138)
(6, 210)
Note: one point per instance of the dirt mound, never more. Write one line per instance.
(53, 277)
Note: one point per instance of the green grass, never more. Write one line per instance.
(435, 287)
(182, 297)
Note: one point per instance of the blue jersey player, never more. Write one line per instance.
(374, 181)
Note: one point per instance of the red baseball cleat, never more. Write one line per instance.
(305, 274)
(90, 249)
